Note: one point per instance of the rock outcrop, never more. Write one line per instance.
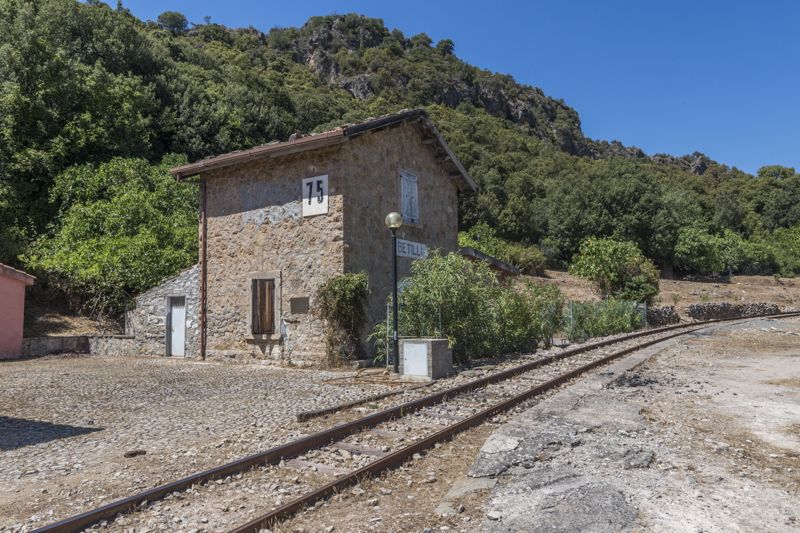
(333, 47)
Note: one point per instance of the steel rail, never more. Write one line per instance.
(297, 447)
(402, 455)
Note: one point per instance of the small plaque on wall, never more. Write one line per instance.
(298, 305)
(315, 196)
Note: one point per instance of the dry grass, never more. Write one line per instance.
(682, 293)
(43, 320)
(793, 383)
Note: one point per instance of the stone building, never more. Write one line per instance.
(280, 219)
(165, 320)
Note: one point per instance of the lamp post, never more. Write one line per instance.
(393, 221)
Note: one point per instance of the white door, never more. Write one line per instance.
(415, 359)
(177, 324)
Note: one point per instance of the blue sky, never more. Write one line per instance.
(721, 77)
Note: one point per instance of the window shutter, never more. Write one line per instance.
(413, 200)
(408, 190)
(263, 318)
(255, 319)
(269, 306)
(404, 196)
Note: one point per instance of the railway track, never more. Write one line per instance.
(287, 478)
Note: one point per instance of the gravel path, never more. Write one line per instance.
(67, 424)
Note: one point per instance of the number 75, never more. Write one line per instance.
(320, 191)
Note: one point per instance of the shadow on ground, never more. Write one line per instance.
(18, 432)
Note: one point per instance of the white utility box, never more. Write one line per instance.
(425, 358)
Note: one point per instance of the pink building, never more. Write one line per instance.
(12, 309)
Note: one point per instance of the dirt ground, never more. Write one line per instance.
(703, 436)
(42, 320)
(79, 430)
(681, 293)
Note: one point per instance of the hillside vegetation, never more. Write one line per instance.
(96, 104)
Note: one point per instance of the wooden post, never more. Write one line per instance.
(203, 268)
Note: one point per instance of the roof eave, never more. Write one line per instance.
(464, 181)
(18, 275)
(268, 150)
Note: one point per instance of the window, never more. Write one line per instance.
(263, 308)
(408, 192)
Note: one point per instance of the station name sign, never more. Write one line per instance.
(414, 250)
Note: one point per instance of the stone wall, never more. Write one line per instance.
(146, 322)
(255, 225)
(38, 346)
(114, 345)
(713, 311)
(380, 156)
(662, 315)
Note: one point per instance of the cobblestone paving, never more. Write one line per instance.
(78, 431)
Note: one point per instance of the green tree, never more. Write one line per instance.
(124, 226)
(173, 21)
(529, 259)
(698, 251)
(617, 268)
(785, 244)
(446, 46)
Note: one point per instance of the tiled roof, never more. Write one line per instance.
(344, 133)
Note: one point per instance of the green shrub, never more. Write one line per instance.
(341, 303)
(585, 320)
(450, 296)
(482, 237)
(785, 244)
(617, 268)
(529, 259)
(698, 251)
(528, 315)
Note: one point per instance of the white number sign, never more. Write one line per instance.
(315, 196)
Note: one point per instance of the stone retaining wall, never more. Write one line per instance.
(113, 345)
(93, 344)
(38, 346)
(662, 316)
(714, 311)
